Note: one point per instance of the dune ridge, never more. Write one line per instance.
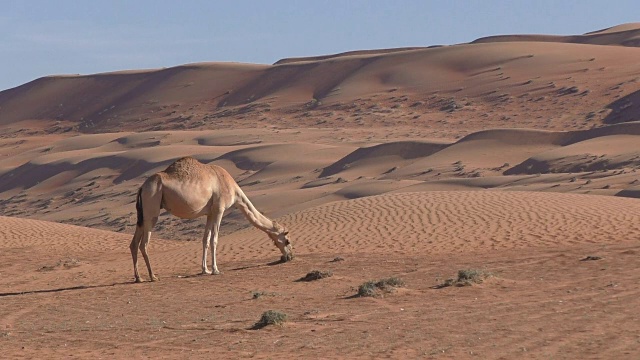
(426, 88)
(621, 35)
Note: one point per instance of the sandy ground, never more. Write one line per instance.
(518, 156)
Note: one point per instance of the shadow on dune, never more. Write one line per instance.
(630, 193)
(402, 149)
(29, 174)
(625, 109)
(579, 163)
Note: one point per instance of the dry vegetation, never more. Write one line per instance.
(270, 317)
(378, 288)
(466, 277)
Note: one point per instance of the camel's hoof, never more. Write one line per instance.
(285, 258)
(217, 272)
(154, 278)
(206, 272)
(138, 280)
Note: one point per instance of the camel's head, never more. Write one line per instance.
(280, 237)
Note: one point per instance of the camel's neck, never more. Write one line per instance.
(252, 214)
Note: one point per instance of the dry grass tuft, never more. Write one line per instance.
(373, 288)
(270, 317)
(316, 275)
(466, 277)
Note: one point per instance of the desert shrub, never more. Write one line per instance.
(591, 258)
(313, 103)
(316, 275)
(450, 105)
(270, 317)
(373, 288)
(257, 294)
(367, 289)
(62, 264)
(467, 277)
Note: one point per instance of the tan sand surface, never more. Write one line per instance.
(516, 155)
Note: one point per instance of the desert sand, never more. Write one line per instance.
(515, 155)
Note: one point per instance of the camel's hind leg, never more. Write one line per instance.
(146, 235)
(135, 245)
(148, 205)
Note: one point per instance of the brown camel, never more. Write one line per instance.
(190, 189)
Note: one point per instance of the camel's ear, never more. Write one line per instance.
(277, 226)
(285, 233)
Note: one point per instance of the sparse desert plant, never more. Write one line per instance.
(313, 103)
(450, 105)
(259, 294)
(373, 288)
(270, 317)
(390, 170)
(367, 289)
(472, 276)
(466, 277)
(568, 90)
(62, 264)
(316, 275)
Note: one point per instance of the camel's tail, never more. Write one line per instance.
(139, 208)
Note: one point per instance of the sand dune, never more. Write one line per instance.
(517, 155)
(468, 221)
(451, 222)
(624, 35)
(483, 85)
(85, 173)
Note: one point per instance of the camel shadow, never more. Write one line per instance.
(277, 262)
(273, 263)
(70, 288)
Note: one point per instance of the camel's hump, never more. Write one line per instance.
(186, 166)
(190, 168)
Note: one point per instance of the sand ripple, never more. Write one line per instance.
(456, 221)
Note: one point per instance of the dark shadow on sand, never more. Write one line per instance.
(277, 262)
(71, 288)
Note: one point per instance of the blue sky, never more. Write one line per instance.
(44, 37)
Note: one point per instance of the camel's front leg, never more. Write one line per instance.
(205, 244)
(214, 240)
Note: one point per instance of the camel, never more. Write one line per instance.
(189, 189)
